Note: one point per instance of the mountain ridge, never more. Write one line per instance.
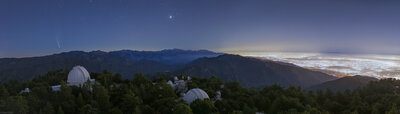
(251, 72)
(262, 72)
(94, 61)
(341, 84)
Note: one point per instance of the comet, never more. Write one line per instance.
(58, 42)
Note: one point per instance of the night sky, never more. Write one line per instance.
(41, 27)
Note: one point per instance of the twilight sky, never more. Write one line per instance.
(40, 27)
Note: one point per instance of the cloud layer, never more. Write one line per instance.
(379, 66)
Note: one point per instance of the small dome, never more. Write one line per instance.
(195, 94)
(78, 76)
(170, 83)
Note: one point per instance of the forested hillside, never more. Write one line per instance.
(341, 84)
(252, 72)
(112, 94)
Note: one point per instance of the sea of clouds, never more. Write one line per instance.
(379, 66)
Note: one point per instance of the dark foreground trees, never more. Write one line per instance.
(142, 95)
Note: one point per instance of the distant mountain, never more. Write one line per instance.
(125, 62)
(252, 72)
(168, 56)
(341, 84)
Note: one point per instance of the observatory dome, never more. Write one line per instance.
(78, 76)
(195, 94)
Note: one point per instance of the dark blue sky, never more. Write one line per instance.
(36, 27)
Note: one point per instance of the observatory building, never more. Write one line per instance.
(180, 86)
(78, 76)
(195, 94)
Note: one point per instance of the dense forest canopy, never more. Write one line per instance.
(112, 94)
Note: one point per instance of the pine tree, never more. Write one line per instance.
(79, 101)
(182, 108)
(102, 98)
(88, 109)
(129, 102)
(60, 111)
(48, 109)
(202, 106)
(393, 110)
(3, 92)
(17, 104)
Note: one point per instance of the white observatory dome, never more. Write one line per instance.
(78, 76)
(195, 94)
